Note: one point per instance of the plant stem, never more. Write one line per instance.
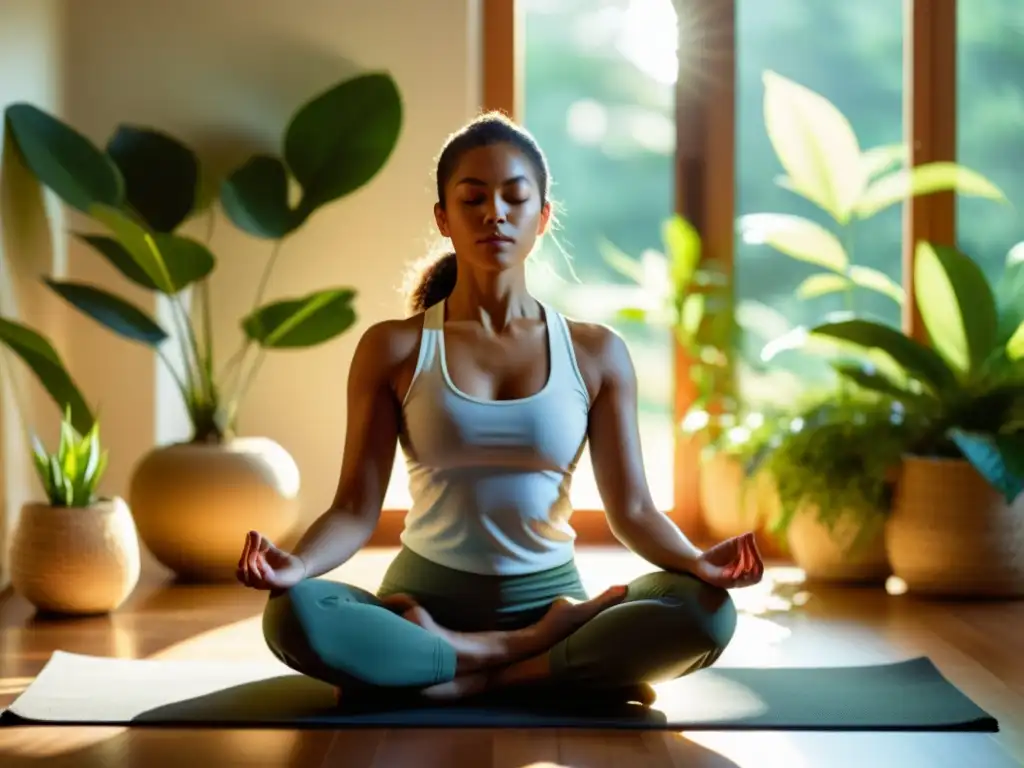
(182, 386)
(237, 360)
(191, 345)
(244, 385)
(266, 274)
(848, 245)
(204, 288)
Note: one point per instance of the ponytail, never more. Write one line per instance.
(434, 283)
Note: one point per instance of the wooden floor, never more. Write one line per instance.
(979, 646)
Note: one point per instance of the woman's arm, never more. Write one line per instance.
(371, 436)
(618, 460)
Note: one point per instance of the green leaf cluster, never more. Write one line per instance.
(71, 474)
(144, 185)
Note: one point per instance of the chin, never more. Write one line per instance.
(494, 257)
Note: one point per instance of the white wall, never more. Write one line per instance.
(30, 70)
(224, 76)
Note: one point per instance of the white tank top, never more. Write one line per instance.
(490, 479)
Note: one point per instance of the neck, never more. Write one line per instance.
(494, 298)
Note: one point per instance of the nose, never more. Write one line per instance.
(496, 212)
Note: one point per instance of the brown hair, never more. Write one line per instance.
(434, 278)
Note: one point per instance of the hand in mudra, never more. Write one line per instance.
(264, 566)
(732, 564)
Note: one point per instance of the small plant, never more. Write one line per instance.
(71, 475)
(838, 457)
(144, 185)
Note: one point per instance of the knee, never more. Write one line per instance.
(683, 605)
(289, 623)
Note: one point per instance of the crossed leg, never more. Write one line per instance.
(666, 625)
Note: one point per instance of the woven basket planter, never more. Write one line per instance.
(951, 534)
(825, 554)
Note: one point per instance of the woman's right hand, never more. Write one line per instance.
(264, 566)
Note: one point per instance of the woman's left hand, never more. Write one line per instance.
(732, 564)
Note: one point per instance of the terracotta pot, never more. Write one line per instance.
(829, 554)
(952, 534)
(75, 560)
(194, 503)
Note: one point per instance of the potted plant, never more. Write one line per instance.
(194, 500)
(75, 552)
(957, 521)
(834, 466)
(692, 296)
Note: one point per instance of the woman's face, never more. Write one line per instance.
(493, 213)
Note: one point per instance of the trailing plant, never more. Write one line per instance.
(144, 185)
(824, 164)
(71, 475)
(838, 458)
(966, 379)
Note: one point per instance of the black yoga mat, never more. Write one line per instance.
(910, 695)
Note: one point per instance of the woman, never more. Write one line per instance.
(492, 395)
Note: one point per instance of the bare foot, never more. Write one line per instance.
(476, 651)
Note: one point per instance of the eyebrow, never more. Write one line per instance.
(481, 183)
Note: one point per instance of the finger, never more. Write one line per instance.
(245, 552)
(254, 552)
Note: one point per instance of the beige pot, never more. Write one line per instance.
(829, 554)
(729, 510)
(952, 534)
(732, 504)
(75, 560)
(194, 503)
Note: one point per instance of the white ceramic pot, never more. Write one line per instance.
(194, 503)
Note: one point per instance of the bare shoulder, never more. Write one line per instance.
(387, 345)
(601, 353)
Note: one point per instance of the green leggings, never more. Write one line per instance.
(669, 625)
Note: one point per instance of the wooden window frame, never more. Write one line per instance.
(705, 134)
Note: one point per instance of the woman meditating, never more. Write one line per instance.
(492, 396)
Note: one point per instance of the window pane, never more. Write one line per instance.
(990, 113)
(823, 65)
(599, 97)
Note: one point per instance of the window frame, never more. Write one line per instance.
(705, 135)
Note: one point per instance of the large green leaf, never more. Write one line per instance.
(871, 378)
(797, 237)
(139, 243)
(255, 198)
(40, 356)
(112, 250)
(161, 175)
(998, 458)
(815, 144)
(64, 160)
(919, 361)
(925, 179)
(1009, 294)
(302, 322)
(874, 280)
(115, 313)
(683, 244)
(187, 260)
(878, 160)
(957, 306)
(1015, 344)
(822, 284)
(342, 138)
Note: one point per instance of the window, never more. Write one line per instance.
(598, 94)
(990, 113)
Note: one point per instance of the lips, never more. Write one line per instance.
(495, 238)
